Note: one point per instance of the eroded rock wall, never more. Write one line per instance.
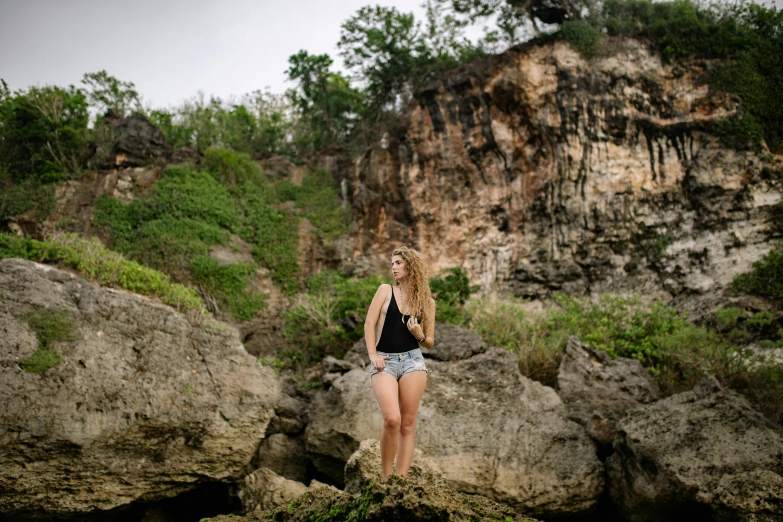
(539, 171)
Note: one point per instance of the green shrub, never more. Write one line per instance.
(191, 211)
(96, 263)
(450, 292)
(582, 36)
(227, 284)
(318, 198)
(766, 277)
(674, 350)
(49, 326)
(231, 168)
(330, 317)
(18, 198)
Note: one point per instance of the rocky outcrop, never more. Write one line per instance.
(704, 452)
(397, 499)
(263, 490)
(598, 391)
(364, 467)
(539, 171)
(143, 404)
(130, 142)
(487, 430)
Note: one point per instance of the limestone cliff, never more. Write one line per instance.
(539, 171)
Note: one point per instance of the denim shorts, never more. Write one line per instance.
(401, 363)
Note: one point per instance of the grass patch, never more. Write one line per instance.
(50, 326)
(319, 200)
(227, 285)
(105, 267)
(583, 36)
(673, 349)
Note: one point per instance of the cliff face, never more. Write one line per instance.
(539, 171)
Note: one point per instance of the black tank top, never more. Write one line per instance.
(395, 336)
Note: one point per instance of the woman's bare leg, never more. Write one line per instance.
(386, 393)
(411, 389)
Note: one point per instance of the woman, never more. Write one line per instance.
(400, 319)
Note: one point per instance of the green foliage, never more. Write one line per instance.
(329, 318)
(319, 200)
(43, 134)
(273, 234)
(227, 284)
(328, 106)
(231, 168)
(50, 326)
(748, 35)
(676, 351)
(190, 211)
(107, 93)
(96, 263)
(26, 196)
(258, 123)
(450, 292)
(766, 277)
(582, 36)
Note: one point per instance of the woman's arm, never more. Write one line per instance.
(373, 313)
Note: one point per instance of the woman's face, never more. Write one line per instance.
(399, 268)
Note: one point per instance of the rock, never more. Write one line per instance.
(263, 490)
(397, 499)
(290, 416)
(143, 404)
(487, 429)
(454, 342)
(364, 467)
(138, 141)
(284, 456)
(333, 365)
(357, 354)
(539, 171)
(598, 390)
(704, 451)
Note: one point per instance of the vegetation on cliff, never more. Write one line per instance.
(674, 349)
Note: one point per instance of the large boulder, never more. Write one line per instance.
(704, 452)
(264, 490)
(598, 390)
(487, 429)
(143, 405)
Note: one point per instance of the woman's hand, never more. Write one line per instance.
(415, 328)
(379, 361)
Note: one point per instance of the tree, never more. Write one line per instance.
(381, 45)
(109, 93)
(326, 102)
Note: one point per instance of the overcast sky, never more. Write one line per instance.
(170, 49)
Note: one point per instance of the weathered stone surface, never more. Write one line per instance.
(454, 342)
(398, 499)
(598, 390)
(334, 365)
(487, 429)
(539, 171)
(263, 490)
(137, 141)
(143, 404)
(284, 456)
(364, 467)
(290, 416)
(704, 451)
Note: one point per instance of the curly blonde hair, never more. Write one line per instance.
(419, 294)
